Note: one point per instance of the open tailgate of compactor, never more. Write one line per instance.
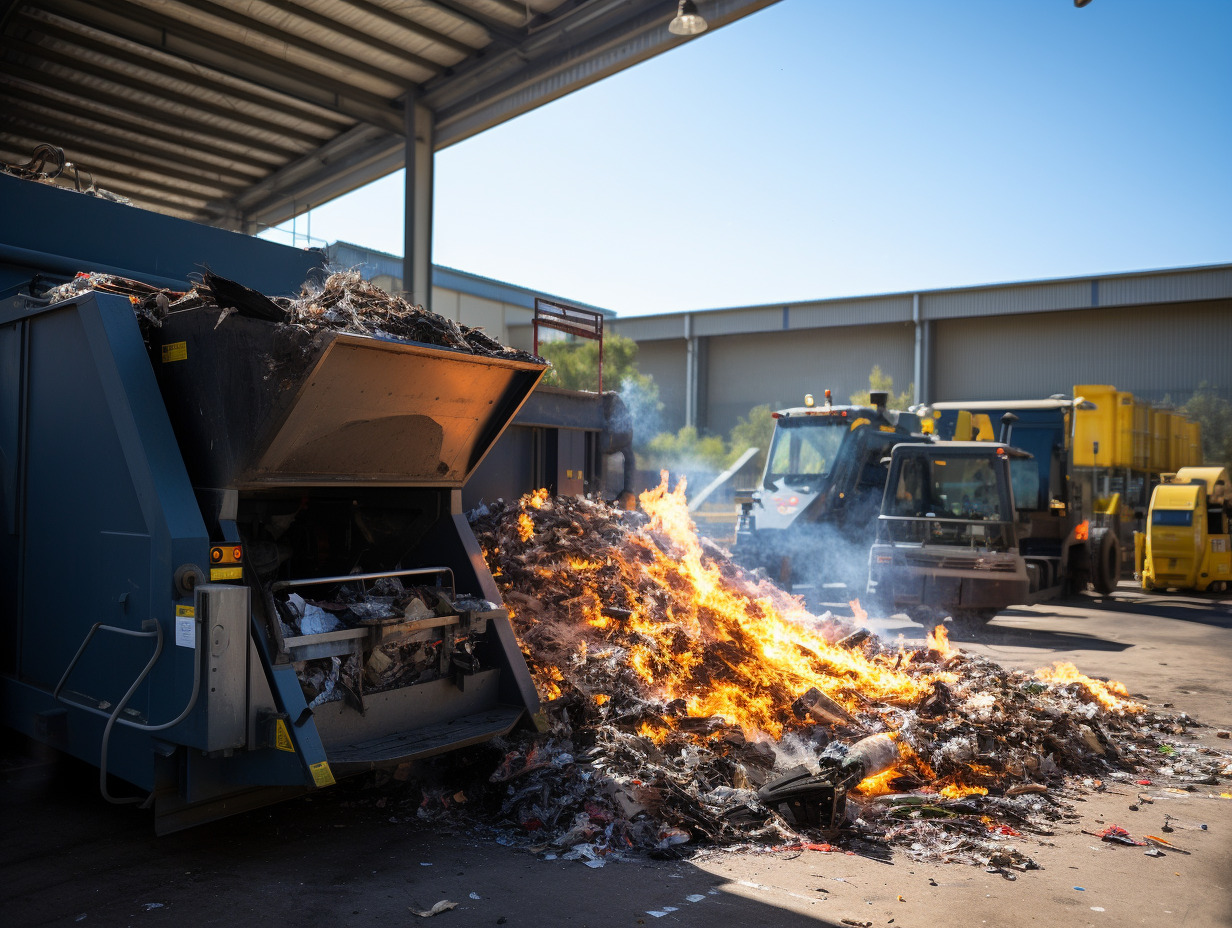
(257, 404)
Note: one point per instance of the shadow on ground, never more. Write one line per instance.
(349, 855)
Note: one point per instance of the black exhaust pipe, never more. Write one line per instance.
(879, 399)
(1007, 427)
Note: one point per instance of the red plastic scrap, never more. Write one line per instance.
(1119, 835)
(806, 846)
(1004, 830)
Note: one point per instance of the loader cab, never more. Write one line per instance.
(959, 493)
(947, 536)
(811, 519)
(825, 463)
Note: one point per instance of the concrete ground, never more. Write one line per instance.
(69, 858)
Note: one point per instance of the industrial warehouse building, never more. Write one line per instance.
(1158, 334)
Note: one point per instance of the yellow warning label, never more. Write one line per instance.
(175, 351)
(321, 774)
(887, 428)
(186, 612)
(226, 573)
(282, 737)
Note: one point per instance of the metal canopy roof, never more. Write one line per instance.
(241, 113)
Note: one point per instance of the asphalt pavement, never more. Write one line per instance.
(343, 858)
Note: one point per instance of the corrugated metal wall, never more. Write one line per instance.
(665, 362)
(1148, 350)
(748, 370)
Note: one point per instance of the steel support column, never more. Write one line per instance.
(417, 200)
(923, 368)
(696, 364)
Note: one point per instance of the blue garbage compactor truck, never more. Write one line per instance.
(164, 500)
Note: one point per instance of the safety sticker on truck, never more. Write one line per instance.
(175, 351)
(282, 737)
(321, 774)
(226, 573)
(185, 620)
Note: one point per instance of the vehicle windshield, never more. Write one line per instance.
(804, 450)
(949, 487)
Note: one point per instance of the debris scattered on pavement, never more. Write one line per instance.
(1162, 842)
(443, 906)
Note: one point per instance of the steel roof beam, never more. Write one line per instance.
(274, 154)
(401, 22)
(172, 98)
(510, 35)
(98, 122)
(165, 65)
(574, 54)
(211, 51)
(338, 166)
(307, 46)
(358, 35)
(90, 161)
(94, 138)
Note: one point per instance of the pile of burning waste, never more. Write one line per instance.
(688, 701)
(345, 302)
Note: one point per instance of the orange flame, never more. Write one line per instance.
(1111, 694)
(756, 659)
(939, 641)
(955, 791)
(879, 783)
(858, 612)
(526, 527)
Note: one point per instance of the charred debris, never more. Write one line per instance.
(689, 703)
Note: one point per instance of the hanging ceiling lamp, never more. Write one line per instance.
(688, 21)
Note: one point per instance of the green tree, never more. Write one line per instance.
(879, 382)
(1214, 414)
(575, 364)
(684, 451)
(752, 431)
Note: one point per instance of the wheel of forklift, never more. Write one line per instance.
(928, 616)
(1106, 560)
(972, 619)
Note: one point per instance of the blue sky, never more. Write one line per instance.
(823, 148)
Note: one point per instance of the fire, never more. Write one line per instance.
(538, 499)
(1111, 694)
(747, 661)
(879, 783)
(526, 526)
(859, 613)
(955, 791)
(939, 641)
(636, 625)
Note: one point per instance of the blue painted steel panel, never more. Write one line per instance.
(76, 231)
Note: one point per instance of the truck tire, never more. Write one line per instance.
(1105, 560)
